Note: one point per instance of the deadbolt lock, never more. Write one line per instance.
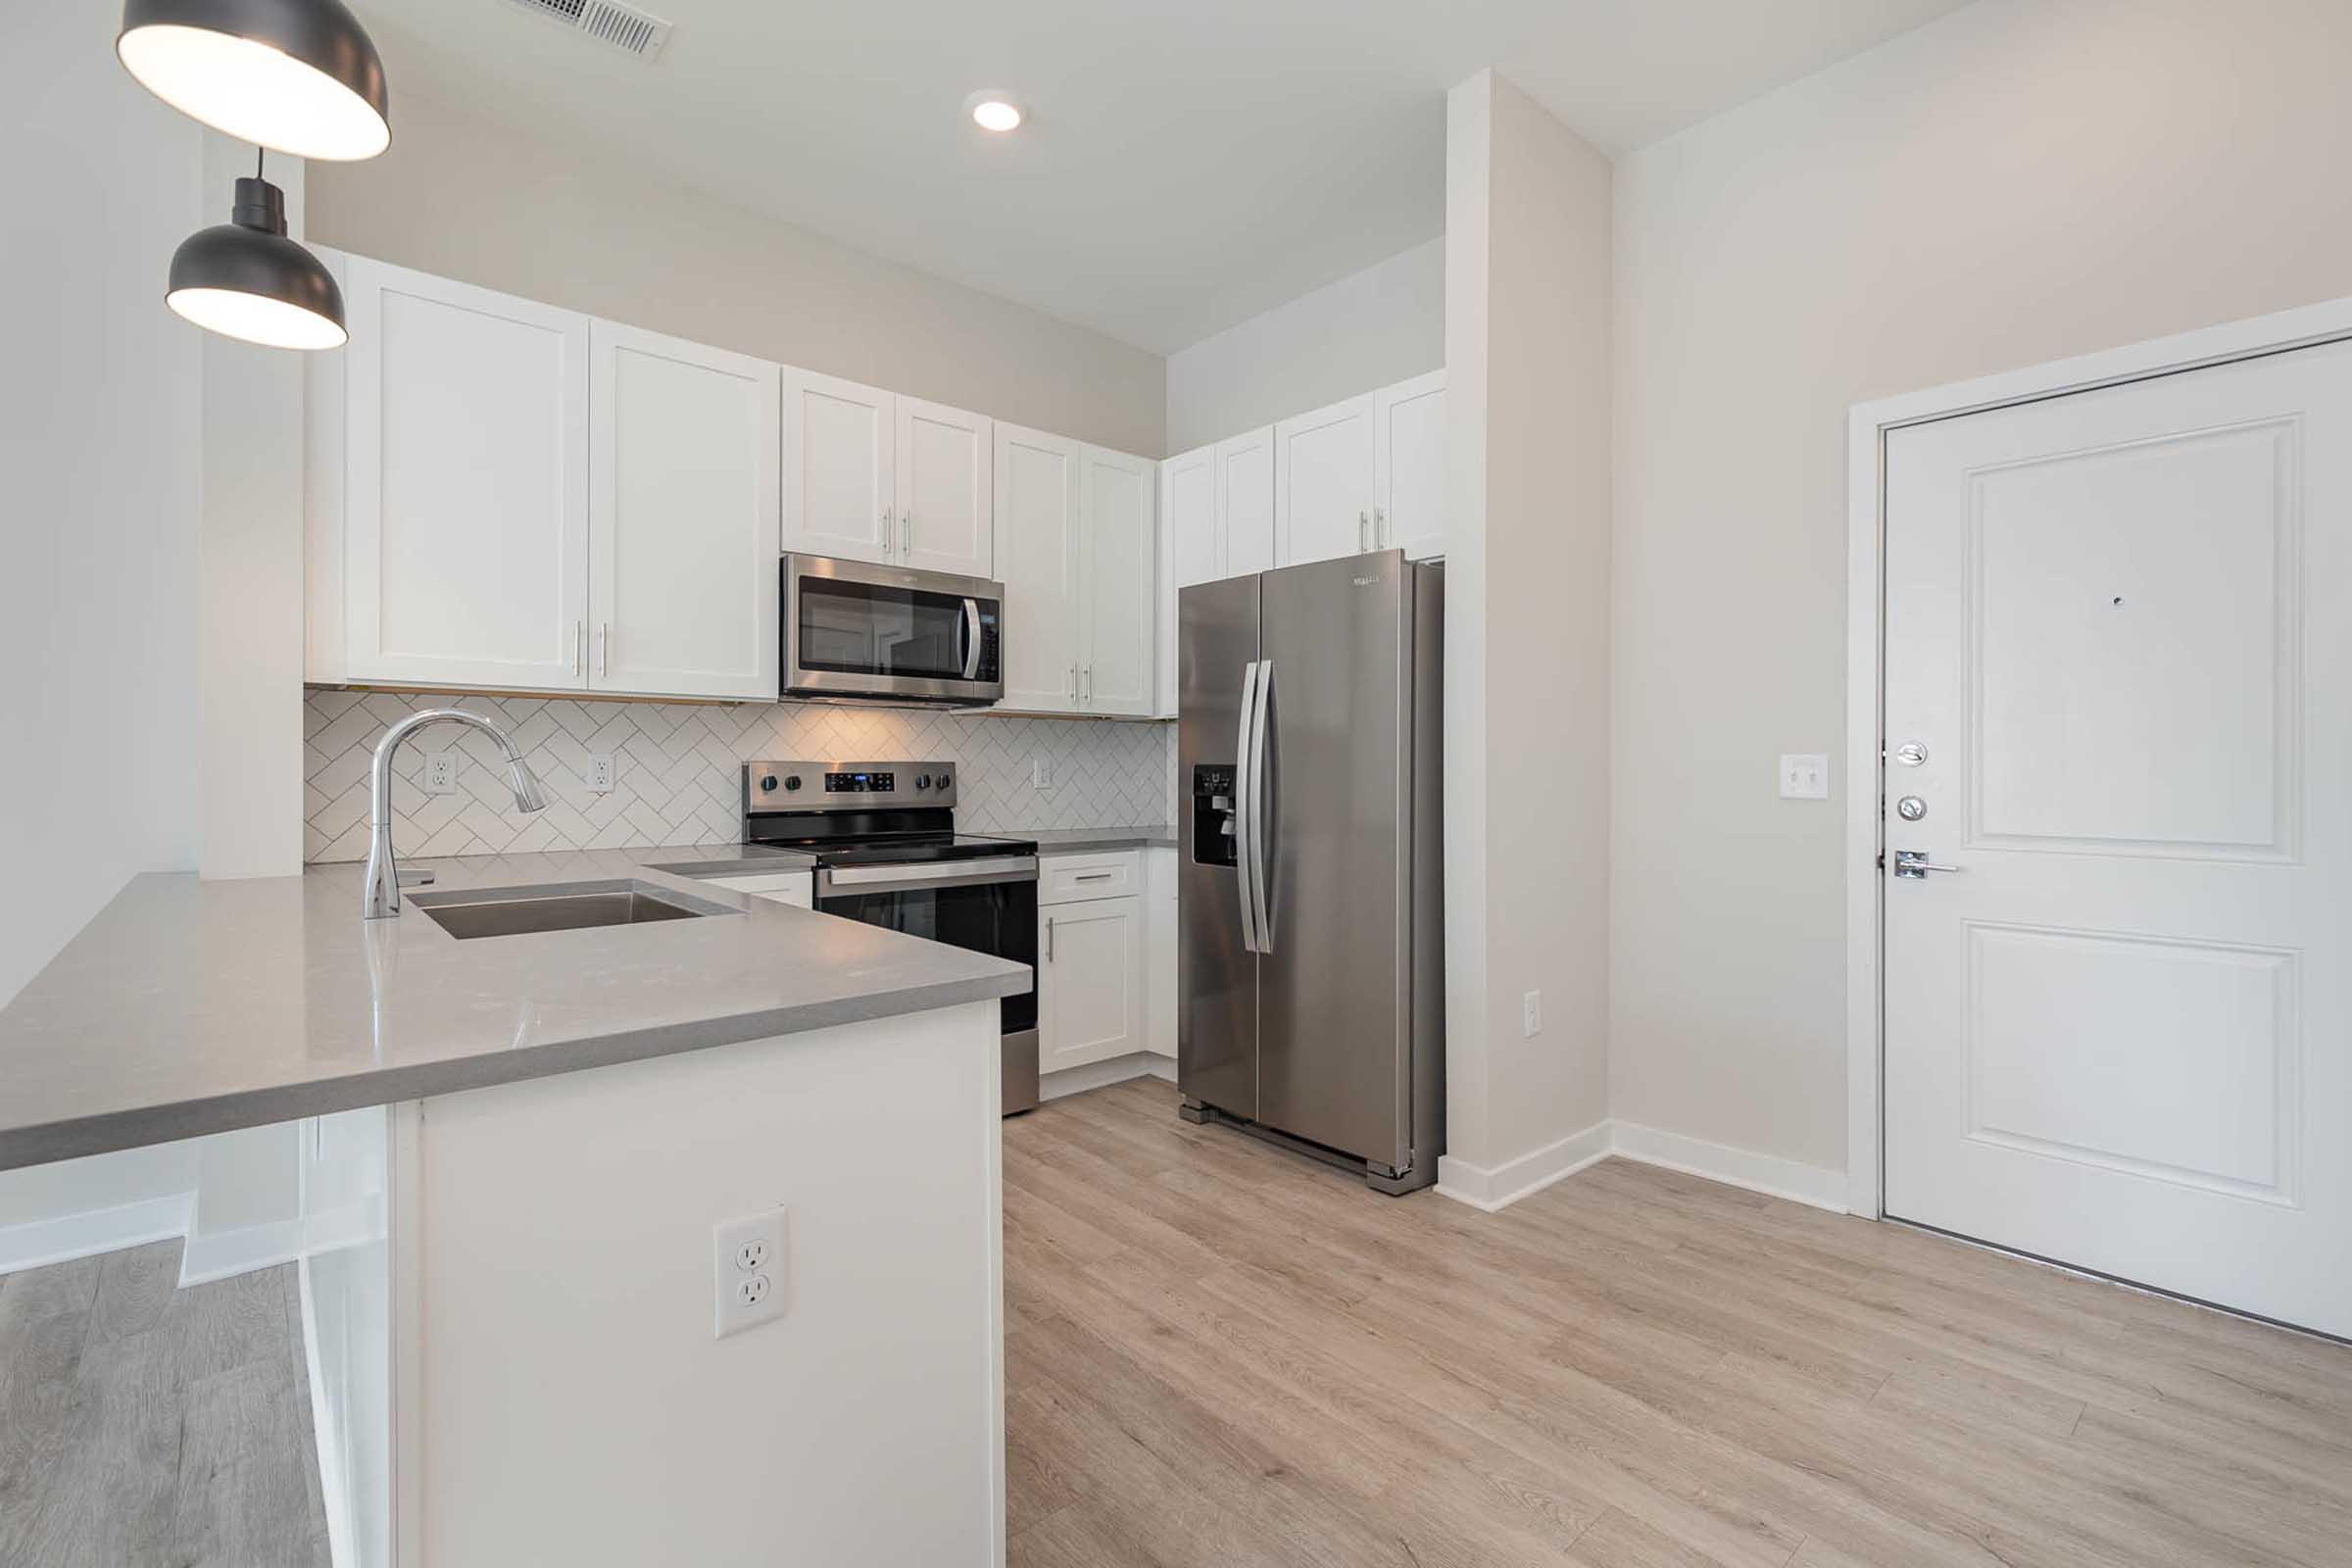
(1910, 807)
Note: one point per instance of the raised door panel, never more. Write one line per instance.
(1409, 497)
(838, 468)
(684, 489)
(945, 501)
(1159, 951)
(466, 506)
(1037, 560)
(1323, 483)
(1116, 546)
(1246, 504)
(1089, 982)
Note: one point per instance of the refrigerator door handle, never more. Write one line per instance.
(1241, 810)
(1256, 847)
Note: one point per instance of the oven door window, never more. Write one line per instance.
(857, 628)
(998, 918)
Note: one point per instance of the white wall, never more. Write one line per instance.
(1369, 329)
(99, 440)
(1527, 629)
(471, 198)
(2022, 180)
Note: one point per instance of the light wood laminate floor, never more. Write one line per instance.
(146, 1426)
(1217, 1353)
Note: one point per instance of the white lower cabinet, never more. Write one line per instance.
(796, 887)
(1089, 982)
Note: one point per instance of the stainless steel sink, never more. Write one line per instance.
(565, 907)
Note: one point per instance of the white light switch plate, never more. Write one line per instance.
(751, 1271)
(440, 772)
(1531, 1015)
(1804, 777)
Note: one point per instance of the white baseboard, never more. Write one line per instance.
(1505, 1184)
(332, 1477)
(107, 1230)
(239, 1252)
(1769, 1174)
(1102, 1074)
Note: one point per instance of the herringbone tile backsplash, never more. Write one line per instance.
(677, 769)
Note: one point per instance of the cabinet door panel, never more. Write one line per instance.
(1409, 494)
(1115, 548)
(838, 475)
(684, 487)
(1037, 560)
(466, 453)
(946, 509)
(1246, 504)
(1089, 982)
(1323, 483)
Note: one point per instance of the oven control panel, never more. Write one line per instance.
(846, 786)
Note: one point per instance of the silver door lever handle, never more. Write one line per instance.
(1914, 864)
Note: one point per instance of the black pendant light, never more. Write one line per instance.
(300, 77)
(245, 279)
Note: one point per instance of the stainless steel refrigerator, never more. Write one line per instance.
(1310, 958)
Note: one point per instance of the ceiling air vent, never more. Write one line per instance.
(624, 28)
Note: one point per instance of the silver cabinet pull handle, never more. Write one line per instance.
(905, 533)
(1379, 526)
(889, 535)
(579, 641)
(1913, 865)
(1090, 683)
(604, 648)
(1049, 939)
(1363, 530)
(1092, 876)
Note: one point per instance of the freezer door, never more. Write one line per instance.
(1334, 988)
(1216, 974)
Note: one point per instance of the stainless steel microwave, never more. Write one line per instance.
(860, 633)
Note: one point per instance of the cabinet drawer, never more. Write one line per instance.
(788, 887)
(1070, 878)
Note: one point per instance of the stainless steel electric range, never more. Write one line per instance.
(888, 854)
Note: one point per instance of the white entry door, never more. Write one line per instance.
(2119, 692)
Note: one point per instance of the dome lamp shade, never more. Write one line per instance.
(298, 76)
(246, 280)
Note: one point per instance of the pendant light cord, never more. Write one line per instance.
(259, 153)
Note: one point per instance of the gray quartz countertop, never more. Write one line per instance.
(1070, 840)
(188, 1007)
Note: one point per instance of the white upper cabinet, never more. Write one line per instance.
(841, 477)
(684, 487)
(1117, 516)
(1408, 488)
(466, 451)
(1246, 502)
(1037, 503)
(946, 503)
(1323, 483)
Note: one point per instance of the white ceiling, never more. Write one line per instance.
(1187, 164)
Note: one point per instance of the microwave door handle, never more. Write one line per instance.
(1241, 810)
(971, 639)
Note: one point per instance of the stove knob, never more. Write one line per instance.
(922, 781)
(768, 782)
(943, 781)
(793, 782)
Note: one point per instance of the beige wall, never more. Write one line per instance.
(1369, 329)
(1527, 621)
(489, 204)
(2022, 180)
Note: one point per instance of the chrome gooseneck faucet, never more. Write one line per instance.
(382, 898)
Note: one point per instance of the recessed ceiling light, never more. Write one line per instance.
(991, 110)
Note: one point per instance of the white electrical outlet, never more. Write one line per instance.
(1806, 778)
(1041, 772)
(440, 772)
(600, 772)
(750, 1268)
(1531, 1015)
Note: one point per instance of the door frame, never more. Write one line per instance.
(1867, 428)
